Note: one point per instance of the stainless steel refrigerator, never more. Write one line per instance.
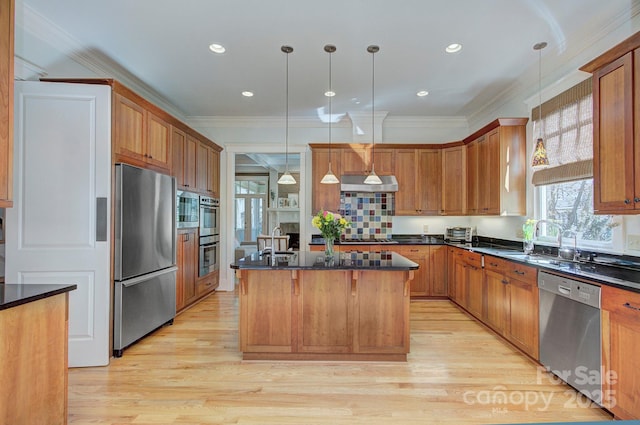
(145, 254)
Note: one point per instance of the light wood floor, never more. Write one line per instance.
(192, 373)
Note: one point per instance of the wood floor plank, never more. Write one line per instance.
(192, 373)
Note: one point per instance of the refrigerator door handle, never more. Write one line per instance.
(101, 219)
(144, 278)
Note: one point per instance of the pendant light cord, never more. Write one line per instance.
(330, 112)
(373, 109)
(286, 133)
(539, 47)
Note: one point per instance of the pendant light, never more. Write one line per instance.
(330, 178)
(287, 178)
(373, 178)
(540, 158)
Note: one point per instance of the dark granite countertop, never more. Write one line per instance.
(306, 260)
(13, 295)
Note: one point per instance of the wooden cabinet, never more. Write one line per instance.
(7, 12)
(325, 196)
(488, 181)
(140, 137)
(207, 284)
(453, 181)
(356, 160)
(452, 253)
(418, 172)
(326, 327)
(511, 293)
(266, 306)
(620, 345)
(34, 347)
(496, 169)
(467, 270)
(616, 128)
(497, 293)
(208, 170)
(324, 314)
(430, 280)
(187, 262)
(184, 159)
(472, 176)
(474, 283)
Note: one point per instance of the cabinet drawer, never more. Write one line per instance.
(521, 272)
(620, 300)
(497, 264)
(473, 259)
(207, 284)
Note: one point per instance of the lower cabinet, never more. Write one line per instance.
(620, 346)
(187, 262)
(511, 293)
(501, 294)
(467, 280)
(430, 280)
(189, 287)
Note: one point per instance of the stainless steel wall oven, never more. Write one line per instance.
(187, 209)
(209, 216)
(209, 255)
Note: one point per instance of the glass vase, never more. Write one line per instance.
(328, 247)
(527, 246)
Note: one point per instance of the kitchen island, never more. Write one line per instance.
(303, 306)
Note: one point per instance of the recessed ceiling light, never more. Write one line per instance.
(217, 48)
(453, 48)
(329, 93)
(247, 93)
(422, 93)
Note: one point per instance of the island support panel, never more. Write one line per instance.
(324, 315)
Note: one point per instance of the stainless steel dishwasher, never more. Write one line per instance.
(570, 332)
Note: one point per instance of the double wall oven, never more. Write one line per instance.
(209, 224)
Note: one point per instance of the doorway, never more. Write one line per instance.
(260, 203)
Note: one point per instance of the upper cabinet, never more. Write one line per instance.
(453, 181)
(208, 170)
(418, 165)
(356, 160)
(184, 159)
(6, 102)
(616, 128)
(496, 168)
(140, 137)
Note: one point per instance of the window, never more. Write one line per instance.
(564, 193)
(250, 207)
(570, 205)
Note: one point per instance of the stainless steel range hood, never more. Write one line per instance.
(356, 184)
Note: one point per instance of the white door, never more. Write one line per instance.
(59, 228)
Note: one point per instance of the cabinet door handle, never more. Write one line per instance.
(519, 272)
(636, 199)
(505, 281)
(493, 264)
(627, 305)
(627, 201)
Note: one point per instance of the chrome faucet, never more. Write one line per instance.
(557, 226)
(273, 244)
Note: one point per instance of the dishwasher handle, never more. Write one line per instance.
(564, 290)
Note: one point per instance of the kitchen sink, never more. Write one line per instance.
(539, 259)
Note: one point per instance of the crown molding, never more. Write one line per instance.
(261, 122)
(563, 63)
(43, 29)
(24, 70)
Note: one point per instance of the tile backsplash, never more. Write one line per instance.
(369, 213)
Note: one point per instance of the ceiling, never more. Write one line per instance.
(164, 43)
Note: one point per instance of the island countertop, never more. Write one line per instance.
(306, 260)
(13, 295)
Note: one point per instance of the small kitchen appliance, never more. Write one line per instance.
(459, 234)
